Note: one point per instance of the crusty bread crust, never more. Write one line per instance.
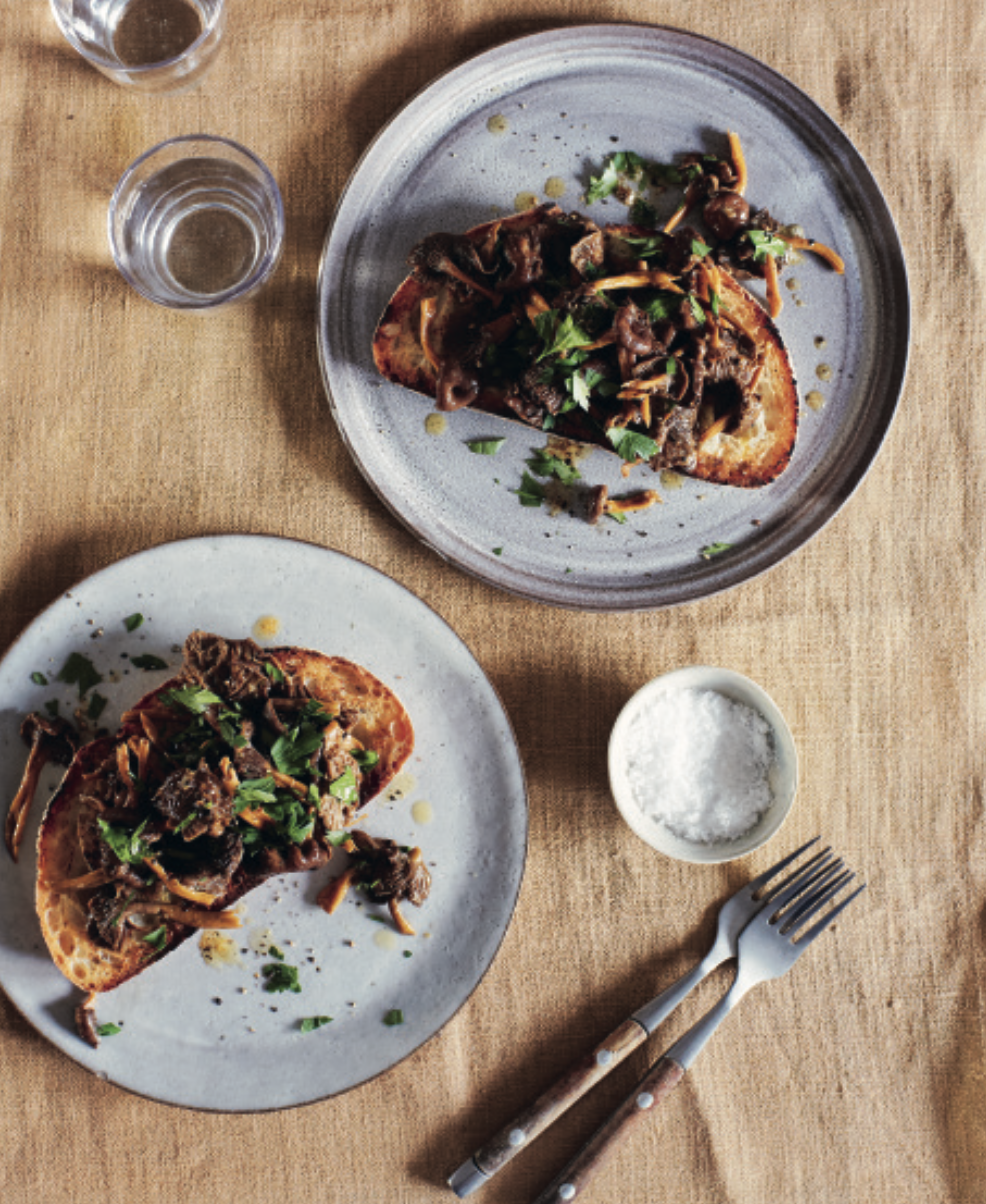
(383, 725)
(753, 457)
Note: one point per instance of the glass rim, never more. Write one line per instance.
(105, 62)
(268, 260)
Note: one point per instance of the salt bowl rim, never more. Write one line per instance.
(739, 688)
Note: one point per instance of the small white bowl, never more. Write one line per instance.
(783, 772)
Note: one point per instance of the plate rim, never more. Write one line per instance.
(524, 843)
(630, 599)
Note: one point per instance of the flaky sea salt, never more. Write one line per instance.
(699, 763)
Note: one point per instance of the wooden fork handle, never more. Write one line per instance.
(582, 1075)
(656, 1085)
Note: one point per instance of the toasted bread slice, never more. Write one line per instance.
(429, 312)
(375, 720)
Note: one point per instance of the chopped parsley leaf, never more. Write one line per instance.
(310, 1023)
(531, 492)
(366, 758)
(643, 213)
(254, 792)
(661, 306)
(148, 662)
(485, 447)
(79, 671)
(276, 953)
(631, 445)
(394, 1017)
(108, 1030)
(547, 465)
(647, 248)
(97, 704)
(765, 244)
(345, 787)
(616, 167)
(127, 846)
(714, 549)
(191, 698)
(336, 838)
(39, 679)
(558, 336)
(697, 311)
(132, 622)
(158, 938)
(281, 977)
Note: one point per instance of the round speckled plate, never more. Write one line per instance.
(548, 108)
(207, 1035)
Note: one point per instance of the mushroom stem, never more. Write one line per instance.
(21, 802)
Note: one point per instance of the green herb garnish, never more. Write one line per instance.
(366, 758)
(485, 447)
(531, 492)
(276, 953)
(765, 244)
(108, 1030)
(280, 977)
(191, 698)
(310, 1023)
(345, 787)
(132, 622)
(547, 465)
(714, 549)
(254, 792)
(147, 661)
(79, 671)
(97, 704)
(158, 938)
(393, 1017)
(559, 335)
(631, 445)
(697, 311)
(620, 166)
(127, 846)
(39, 679)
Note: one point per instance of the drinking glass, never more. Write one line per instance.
(147, 45)
(196, 222)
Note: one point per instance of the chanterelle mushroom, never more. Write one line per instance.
(50, 739)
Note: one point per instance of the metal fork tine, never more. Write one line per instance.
(820, 925)
(766, 876)
(820, 858)
(799, 886)
(804, 909)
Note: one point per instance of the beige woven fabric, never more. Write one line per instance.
(861, 1076)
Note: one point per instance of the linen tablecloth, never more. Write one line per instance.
(861, 1075)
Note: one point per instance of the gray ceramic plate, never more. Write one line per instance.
(207, 1035)
(549, 108)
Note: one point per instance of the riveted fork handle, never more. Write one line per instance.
(577, 1080)
(655, 1086)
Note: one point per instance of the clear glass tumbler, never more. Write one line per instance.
(196, 222)
(148, 45)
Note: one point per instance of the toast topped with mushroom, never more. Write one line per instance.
(248, 763)
(546, 318)
(639, 340)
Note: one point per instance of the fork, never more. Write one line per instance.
(589, 1070)
(767, 949)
